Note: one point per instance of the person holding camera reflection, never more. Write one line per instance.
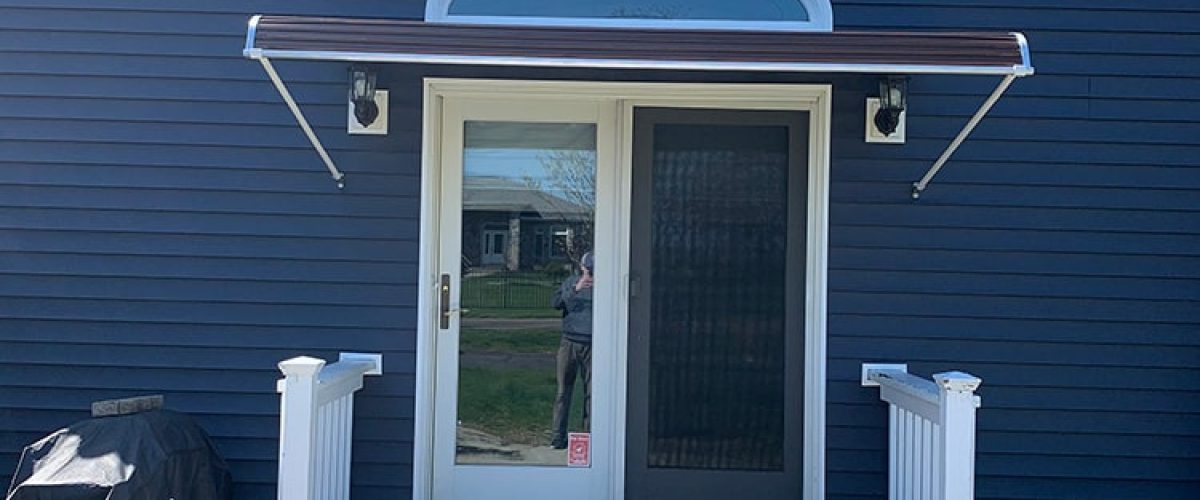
(574, 299)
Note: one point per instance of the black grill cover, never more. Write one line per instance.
(145, 456)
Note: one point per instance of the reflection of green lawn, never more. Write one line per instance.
(507, 397)
(522, 341)
(514, 405)
(497, 312)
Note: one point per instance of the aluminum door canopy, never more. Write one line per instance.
(383, 40)
(400, 41)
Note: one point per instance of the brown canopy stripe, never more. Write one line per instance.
(415, 41)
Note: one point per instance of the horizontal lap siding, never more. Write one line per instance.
(166, 229)
(1057, 256)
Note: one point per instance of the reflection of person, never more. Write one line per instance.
(574, 299)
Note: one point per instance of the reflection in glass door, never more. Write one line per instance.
(524, 361)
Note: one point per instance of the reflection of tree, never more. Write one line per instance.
(570, 180)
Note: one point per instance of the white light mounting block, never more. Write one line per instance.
(867, 368)
(376, 359)
(378, 127)
(873, 133)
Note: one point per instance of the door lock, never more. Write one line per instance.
(444, 293)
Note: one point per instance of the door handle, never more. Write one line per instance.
(444, 293)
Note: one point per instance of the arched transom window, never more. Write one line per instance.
(788, 15)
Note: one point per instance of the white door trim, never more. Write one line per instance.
(815, 99)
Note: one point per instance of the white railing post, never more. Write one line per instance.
(297, 426)
(958, 403)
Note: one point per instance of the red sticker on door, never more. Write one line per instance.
(579, 449)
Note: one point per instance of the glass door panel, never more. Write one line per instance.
(524, 350)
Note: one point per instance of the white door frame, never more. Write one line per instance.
(624, 97)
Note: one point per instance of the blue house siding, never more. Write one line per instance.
(165, 228)
(1057, 256)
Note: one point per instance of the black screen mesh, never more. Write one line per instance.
(719, 256)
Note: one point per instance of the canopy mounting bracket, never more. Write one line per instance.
(338, 176)
(919, 186)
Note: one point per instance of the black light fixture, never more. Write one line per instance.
(362, 94)
(893, 92)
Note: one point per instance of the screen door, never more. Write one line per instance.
(716, 346)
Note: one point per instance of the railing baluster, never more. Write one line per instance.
(906, 472)
(347, 424)
(919, 450)
(344, 423)
(327, 458)
(331, 448)
(901, 457)
(323, 457)
(335, 466)
(923, 471)
(914, 474)
(336, 450)
(893, 446)
(927, 457)
(918, 459)
(910, 473)
(936, 470)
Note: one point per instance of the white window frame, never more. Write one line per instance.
(555, 232)
(820, 15)
(816, 99)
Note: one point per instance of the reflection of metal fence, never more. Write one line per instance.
(509, 290)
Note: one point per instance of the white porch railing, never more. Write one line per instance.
(316, 424)
(931, 437)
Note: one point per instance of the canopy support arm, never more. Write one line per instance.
(919, 186)
(338, 176)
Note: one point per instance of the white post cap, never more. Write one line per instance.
(957, 381)
(303, 366)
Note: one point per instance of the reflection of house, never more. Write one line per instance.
(516, 226)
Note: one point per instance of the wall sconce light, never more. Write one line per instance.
(893, 92)
(362, 94)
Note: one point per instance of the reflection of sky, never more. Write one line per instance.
(519, 166)
(772, 10)
(529, 155)
(512, 163)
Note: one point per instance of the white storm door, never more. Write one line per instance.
(547, 163)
